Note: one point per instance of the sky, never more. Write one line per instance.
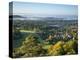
(43, 9)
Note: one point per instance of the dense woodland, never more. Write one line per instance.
(32, 38)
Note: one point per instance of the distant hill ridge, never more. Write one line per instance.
(16, 16)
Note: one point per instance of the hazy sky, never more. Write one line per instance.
(27, 8)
